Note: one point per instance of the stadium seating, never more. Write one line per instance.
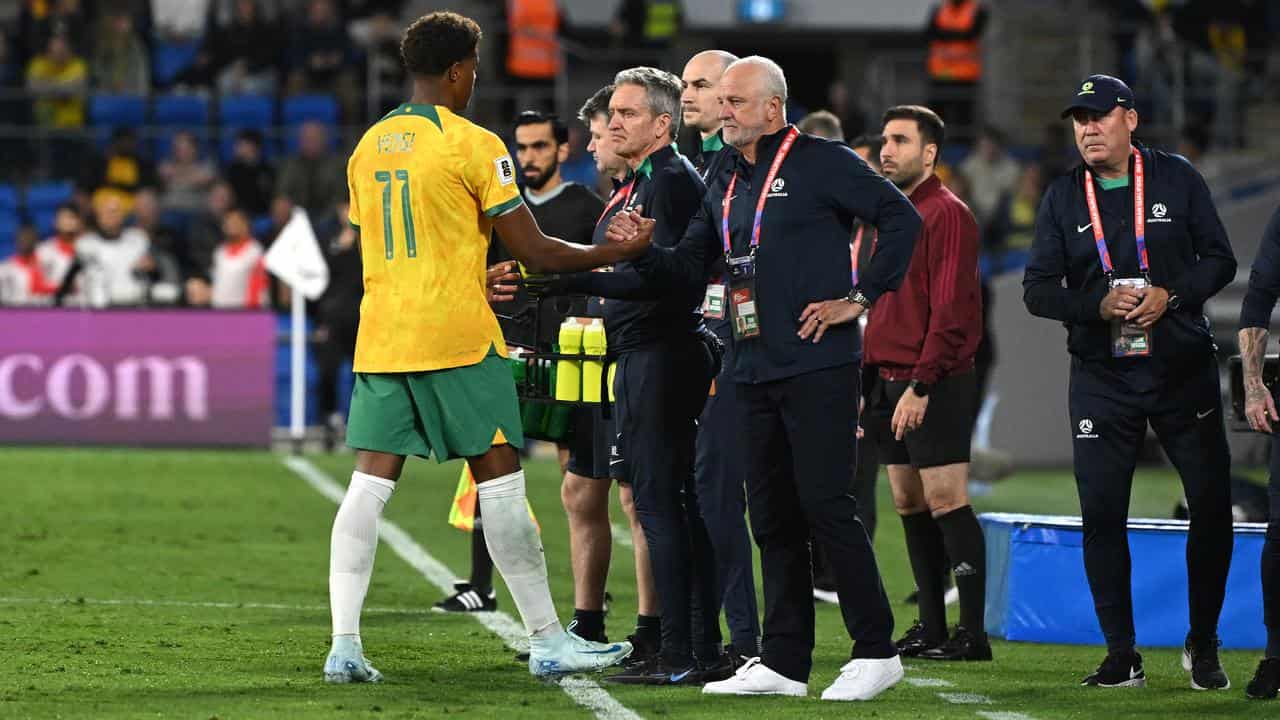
(172, 113)
(302, 108)
(108, 112)
(240, 112)
(42, 203)
(170, 59)
(8, 233)
(8, 200)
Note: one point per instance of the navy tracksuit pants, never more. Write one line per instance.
(660, 391)
(719, 471)
(1111, 404)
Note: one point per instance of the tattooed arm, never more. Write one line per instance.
(1259, 406)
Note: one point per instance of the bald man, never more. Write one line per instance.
(700, 103)
(789, 201)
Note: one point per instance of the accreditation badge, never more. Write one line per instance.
(713, 303)
(1127, 338)
(744, 314)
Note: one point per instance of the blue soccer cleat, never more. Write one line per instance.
(566, 653)
(347, 664)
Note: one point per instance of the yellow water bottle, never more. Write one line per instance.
(593, 347)
(569, 372)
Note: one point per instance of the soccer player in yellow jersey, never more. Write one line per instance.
(427, 187)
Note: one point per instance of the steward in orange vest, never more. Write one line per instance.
(533, 52)
(955, 54)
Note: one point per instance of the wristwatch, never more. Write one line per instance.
(855, 296)
(1174, 301)
(921, 388)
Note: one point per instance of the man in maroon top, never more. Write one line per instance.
(921, 341)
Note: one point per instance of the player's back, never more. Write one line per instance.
(425, 186)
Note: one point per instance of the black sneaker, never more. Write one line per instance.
(1201, 660)
(467, 599)
(1265, 682)
(656, 671)
(963, 645)
(642, 653)
(915, 641)
(739, 658)
(1118, 669)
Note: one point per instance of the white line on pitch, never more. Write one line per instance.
(965, 698)
(196, 604)
(928, 682)
(621, 535)
(1003, 715)
(582, 691)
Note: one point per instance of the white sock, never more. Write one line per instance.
(517, 551)
(352, 547)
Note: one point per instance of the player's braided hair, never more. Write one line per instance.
(435, 41)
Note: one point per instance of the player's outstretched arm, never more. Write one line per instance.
(525, 241)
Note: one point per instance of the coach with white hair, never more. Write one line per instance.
(780, 210)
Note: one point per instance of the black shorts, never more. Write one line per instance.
(592, 445)
(944, 436)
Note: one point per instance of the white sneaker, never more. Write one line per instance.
(753, 678)
(864, 679)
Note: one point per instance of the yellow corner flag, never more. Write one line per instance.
(463, 513)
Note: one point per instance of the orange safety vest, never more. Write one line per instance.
(534, 50)
(956, 60)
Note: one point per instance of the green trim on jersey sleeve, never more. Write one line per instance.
(504, 208)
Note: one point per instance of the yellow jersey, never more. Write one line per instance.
(425, 187)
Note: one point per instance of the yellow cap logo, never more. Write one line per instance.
(1086, 89)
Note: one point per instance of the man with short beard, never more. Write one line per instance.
(921, 342)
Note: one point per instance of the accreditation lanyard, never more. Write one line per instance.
(855, 250)
(1139, 218)
(781, 155)
(621, 195)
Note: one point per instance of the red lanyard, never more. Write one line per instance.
(621, 195)
(781, 155)
(1139, 217)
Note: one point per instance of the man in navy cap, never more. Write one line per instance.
(1135, 236)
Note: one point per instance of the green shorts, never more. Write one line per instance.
(455, 413)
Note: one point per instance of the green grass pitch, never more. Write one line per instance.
(194, 585)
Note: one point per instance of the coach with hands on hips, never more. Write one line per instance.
(780, 211)
(1135, 235)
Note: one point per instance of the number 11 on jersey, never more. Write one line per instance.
(406, 209)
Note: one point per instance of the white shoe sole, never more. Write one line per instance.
(865, 695)
(344, 678)
(792, 692)
(1135, 683)
(1186, 665)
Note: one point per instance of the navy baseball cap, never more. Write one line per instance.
(1100, 93)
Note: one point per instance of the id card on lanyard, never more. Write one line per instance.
(1128, 339)
(744, 306)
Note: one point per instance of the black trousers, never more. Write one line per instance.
(801, 452)
(1111, 405)
(720, 476)
(1271, 555)
(660, 391)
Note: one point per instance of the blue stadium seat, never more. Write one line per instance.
(8, 199)
(43, 220)
(302, 108)
(8, 234)
(261, 228)
(48, 196)
(108, 112)
(169, 59)
(240, 112)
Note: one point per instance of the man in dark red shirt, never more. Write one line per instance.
(921, 341)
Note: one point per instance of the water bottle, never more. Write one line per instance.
(569, 371)
(593, 348)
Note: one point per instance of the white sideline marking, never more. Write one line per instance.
(621, 535)
(928, 682)
(965, 698)
(1003, 715)
(582, 691)
(197, 604)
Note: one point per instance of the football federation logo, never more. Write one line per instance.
(778, 185)
(1159, 210)
(1086, 89)
(1086, 426)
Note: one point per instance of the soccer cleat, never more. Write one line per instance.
(865, 678)
(1201, 660)
(565, 653)
(1265, 682)
(721, 668)
(1118, 669)
(467, 599)
(915, 641)
(754, 678)
(963, 645)
(347, 664)
(657, 671)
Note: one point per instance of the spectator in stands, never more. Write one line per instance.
(822, 123)
(239, 276)
(646, 23)
(122, 169)
(246, 51)
(374, 24)
(251, 177)
(1012, 226)
(116, 259)
(186, 177)
(315, 178)
(321, 57)
(58, 79)
(165, 277)
(337, 313)
(57, 253)
(954, 34)
(991, 172)
(120, 63)
(179, 21)
(203, 237)
(40, 20)
(22, 282)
